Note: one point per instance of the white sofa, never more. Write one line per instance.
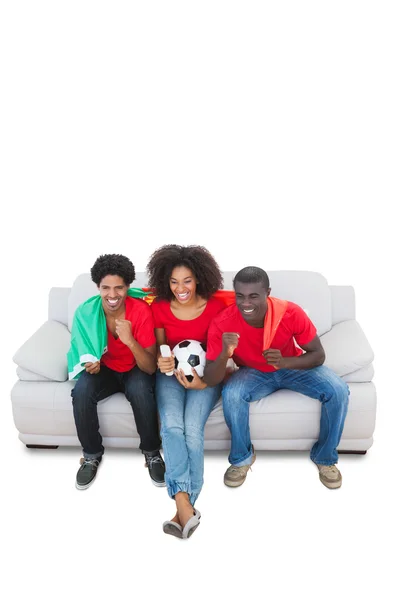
(286, 420)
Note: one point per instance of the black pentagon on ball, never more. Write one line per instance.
(193, 360)
(203, 346)
(184, 344)
(176, 363)
(189, 377)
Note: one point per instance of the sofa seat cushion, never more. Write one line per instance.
(46, 408)
(347, 349)
(45, 352)
(289, 415)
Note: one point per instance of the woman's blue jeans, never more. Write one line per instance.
(183, 415)
(321, 383)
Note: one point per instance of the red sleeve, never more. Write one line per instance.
(304, 330)
(144, 328)
(214, 341)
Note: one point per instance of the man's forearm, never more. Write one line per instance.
(144, 359)
(308, 360)
(215, 370)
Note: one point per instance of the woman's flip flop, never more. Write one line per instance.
(191, 525)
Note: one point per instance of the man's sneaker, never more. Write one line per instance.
(156, 467)
(87, 473)
(235, 476)
(330, 476)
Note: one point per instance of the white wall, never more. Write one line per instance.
(268, 132)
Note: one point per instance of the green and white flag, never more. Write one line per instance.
(89, 332)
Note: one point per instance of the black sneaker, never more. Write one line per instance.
(87, 473)
(156, 467)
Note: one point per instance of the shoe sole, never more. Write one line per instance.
(170, 529)
(192, 530)
(332, 485)
(158, 484)
(83, 487)
(234, 484)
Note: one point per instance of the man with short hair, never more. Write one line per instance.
(127, 366)
(239, 332)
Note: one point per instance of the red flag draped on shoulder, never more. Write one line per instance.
(275, 311)
(147, 295)
(226, 296)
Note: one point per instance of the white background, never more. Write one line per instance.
(268, 132)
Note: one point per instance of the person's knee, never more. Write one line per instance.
(172, 425)
(83, 392)
(140, 390)
(337, 393)
(232, 397)
(194, 436)
(342, 393)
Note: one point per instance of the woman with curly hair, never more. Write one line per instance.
(184, 279)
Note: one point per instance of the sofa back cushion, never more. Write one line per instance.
(82, 289)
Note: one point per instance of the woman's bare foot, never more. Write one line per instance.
(175, 519)
(185, 509)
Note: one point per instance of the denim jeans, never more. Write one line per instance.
(248, 385)
(138, 388)
(183, 415)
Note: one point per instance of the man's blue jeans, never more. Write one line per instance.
(183, 415)
(248, 385)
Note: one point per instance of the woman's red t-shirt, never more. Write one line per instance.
(177, 330)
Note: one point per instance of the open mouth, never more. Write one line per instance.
(183, 296)
(248, 311)
(112, 303)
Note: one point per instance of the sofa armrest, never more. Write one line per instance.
(25, 375)
(346, 348)
(45, 352)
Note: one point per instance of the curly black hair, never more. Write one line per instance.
(113, 264)
(196, 258)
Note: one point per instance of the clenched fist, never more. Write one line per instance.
(230, 342)
(166, 364)
(274, 358)
(123, 329)
(92, 368)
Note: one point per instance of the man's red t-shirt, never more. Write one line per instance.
(295, 325)
(118, 356)
(176, 329)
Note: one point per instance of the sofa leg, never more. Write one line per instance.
(352, 452)
(42, 447)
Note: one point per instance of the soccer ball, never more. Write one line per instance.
(188, 354)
